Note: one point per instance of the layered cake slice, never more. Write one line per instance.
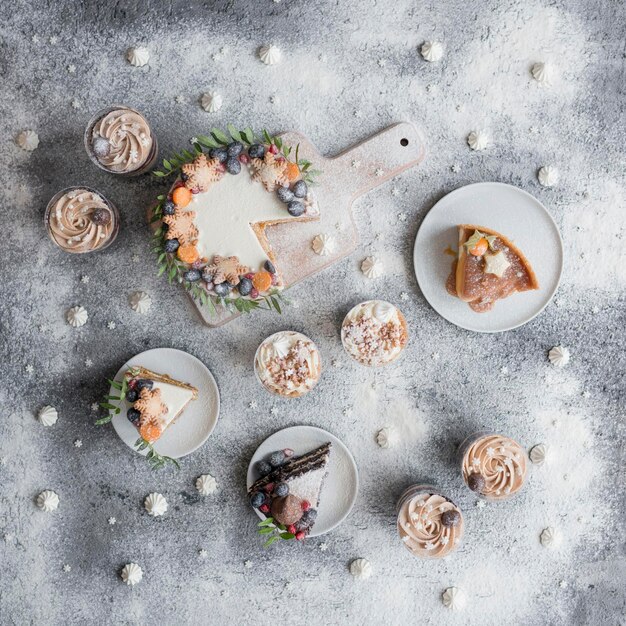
(488, 268)
(288, 490)
(156, 401)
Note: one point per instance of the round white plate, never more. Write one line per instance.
(199, 418)
(518, 216)
(341, 485)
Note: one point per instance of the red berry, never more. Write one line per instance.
(244, 158)
(249, 275)
(254, 294)
(132, 383)
(300, 535)
(220, 167)
(273, 149)
(194, 191)
(288, 452)
(291, 529)
(264, 508)
(306, 505)
(274, 279)
(269, 487)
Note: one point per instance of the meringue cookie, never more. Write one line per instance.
(323, 244)
(453, 598)
(48, 415)
(559, 356)
(550, 537)
(206, 484)
(211, 101)
(138, 56)
(155, 504)
(478, 139)
(372, 267)
(548, 176)
(140, 302)
(28, 140)
(270, 54)
(76, 316)
(361, 569)
(538, 454)
(432, 51)
(386, 437)
(383, 311)
(131, 574)
(542, 72)
(48, 501)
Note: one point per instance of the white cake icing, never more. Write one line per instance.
(175, 397)
(239, 201)
(308, 486)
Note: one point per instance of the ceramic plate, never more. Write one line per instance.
(341, 484)
(518, 216)
(197, 421)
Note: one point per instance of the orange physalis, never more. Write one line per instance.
(181, 197)
(262, 280)
(188, 253)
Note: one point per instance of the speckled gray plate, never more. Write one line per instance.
(196, 423)
(518, 216)
(341, 485)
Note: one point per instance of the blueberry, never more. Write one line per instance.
(281, 490)
(171, 245)
(295, 208)
(277, 458)
(269, 266)
(207, 275)
(133, 415)
(221, 154)
(184, 177)
(245, 286)
(144, 383)
(264, 468)
(257, 499)
(300, 189)
(309, 516)
(192, 276)
(132, 395)
(234, 149)
(256, 151)
(285, 195)
(222, 290)
(233, 166)
(169, 208)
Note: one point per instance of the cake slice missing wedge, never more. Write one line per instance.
(488, 268)
(290, 487)
(157, 400)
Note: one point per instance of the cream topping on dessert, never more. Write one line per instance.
(500, 461)
(288, 363)
(421, 525)
(81, 221)
(374, 332)
(129, 140)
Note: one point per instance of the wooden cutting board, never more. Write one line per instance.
(345, 177)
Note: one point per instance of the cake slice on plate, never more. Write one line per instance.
(288, 491)
(488, 268)
(157, 400)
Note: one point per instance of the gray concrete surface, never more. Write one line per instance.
(349, 69)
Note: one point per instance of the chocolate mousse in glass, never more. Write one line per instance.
(429, 524)
(119, 140)
(80, 219)
(493, 466)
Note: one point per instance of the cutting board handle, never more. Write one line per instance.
(381, 157)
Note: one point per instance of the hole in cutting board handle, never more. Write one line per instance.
(404, 142)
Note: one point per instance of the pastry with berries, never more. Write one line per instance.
(287, 492)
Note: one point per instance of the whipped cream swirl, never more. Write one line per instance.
(500, 461)
(73, 221)
(288, 364)
(421, 527)
(129, 141)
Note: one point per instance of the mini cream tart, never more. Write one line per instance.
(374, 333)
(288, 364)
(429, 524)
(493, 466)
(119, 140)
(79, 219)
